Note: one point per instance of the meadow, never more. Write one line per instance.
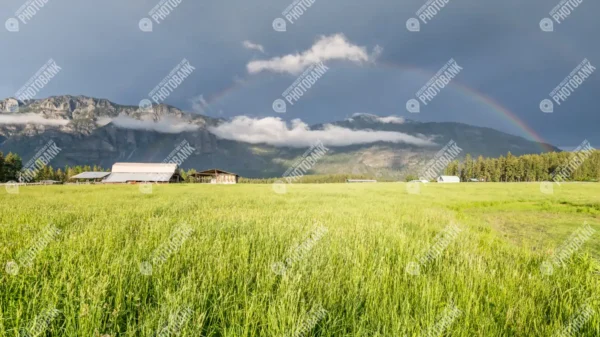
(319, 260)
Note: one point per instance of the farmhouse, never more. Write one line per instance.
(141, 172)
(448, 179)
(215, 176)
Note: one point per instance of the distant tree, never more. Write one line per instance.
(467, 171)
(12, 166)
(183, 174)
(59, 175)
(479, 171)
(411, 177)
(453, 169)
(500, 169)
(189, 177)
(1, 167)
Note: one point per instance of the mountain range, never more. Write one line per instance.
(93, 131)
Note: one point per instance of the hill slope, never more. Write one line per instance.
(99, 132)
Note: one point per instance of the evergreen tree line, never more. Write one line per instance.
(12, 164)
(509, 168)
(526, 168)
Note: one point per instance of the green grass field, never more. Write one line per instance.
(344, 249)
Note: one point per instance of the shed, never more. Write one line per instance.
(90, 176)
(215, 176)
(143, 172)
(448, 179)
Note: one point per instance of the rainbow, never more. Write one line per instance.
(485, 100)
(508, 115)
(494, 106)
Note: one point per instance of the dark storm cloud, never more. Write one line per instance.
(504, 54)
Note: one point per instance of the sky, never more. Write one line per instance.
(360, 56)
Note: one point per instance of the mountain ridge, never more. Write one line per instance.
(96, 131)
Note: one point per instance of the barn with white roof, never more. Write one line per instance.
(123, 173)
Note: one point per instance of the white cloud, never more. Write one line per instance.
(334, 47)
(374, 118)
(274, 131)
(253, 46)
(165, 125)
(102, 121)
(30, 118)
(391, 120)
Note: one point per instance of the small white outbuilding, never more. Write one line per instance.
(448, 179)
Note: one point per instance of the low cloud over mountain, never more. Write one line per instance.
(30, 118)
(377, 119)
(164, 125)
(274, 131)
